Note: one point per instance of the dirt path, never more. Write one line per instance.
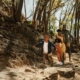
(75, 64)
(29, 72)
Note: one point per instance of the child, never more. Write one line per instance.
(46, 48)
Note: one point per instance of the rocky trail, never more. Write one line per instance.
(69, 71)
(20, 61)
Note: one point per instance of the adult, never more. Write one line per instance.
(60, 45)
(67, 36)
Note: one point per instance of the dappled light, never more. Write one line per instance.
(39, 40)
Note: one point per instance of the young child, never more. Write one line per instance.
(46, 48)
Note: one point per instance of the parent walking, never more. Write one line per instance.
(67, 36)
(60, 47)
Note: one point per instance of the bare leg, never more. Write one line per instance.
(51, 60)
(63, 58)
(69, 50)
(44, 58)
(58, 56)
(69, 53)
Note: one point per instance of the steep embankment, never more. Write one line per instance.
(16, 41)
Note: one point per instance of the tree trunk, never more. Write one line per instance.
(78, 33)
(13, 9)
(0, 2)
(44, 20)
(75, 37)
(48, 18)
(38, 4)
(41, 10)
(72, 19)
(25, 8)
(18, 14)
(75, 28)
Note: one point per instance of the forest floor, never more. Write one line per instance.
(35, 73)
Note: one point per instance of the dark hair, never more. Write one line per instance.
(64, 25)
(59, 30)
(46, 34)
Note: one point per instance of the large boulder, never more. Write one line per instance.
(66, 72)
(51, 73)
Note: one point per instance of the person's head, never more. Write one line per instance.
(46, 37)
(59, 31)
(64, 27)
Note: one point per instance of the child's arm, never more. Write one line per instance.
(60, 37)
(38, 44)
(53, 46)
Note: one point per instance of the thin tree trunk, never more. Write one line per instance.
(44, 20)
(78, 22)
(41, 10)
(18, 15)
(25, 8)
(75, 24)
(13, 9)
(72, 19)
(33, 5)
(38, 4)
(78, 33)
(0, 2)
